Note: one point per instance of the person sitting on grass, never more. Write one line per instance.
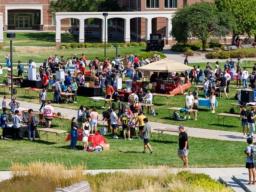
(146, 136)
(73, 133)
(250, 161)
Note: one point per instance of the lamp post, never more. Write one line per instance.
(11, 36)
(105, 34)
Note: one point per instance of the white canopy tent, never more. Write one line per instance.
(165, 65)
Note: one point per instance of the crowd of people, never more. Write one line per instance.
(80, 72)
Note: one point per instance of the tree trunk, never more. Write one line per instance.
(204, 42)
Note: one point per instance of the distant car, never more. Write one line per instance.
(156, 43)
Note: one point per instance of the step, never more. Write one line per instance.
(229, 182)
(78, 187)
(242, 180)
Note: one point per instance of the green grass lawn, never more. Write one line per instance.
(122, 154)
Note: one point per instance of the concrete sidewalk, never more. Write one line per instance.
(193, 132)
(197, 58)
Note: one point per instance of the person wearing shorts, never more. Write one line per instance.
(244, 122)
(250, 161)
(183, 149)
(114, 123)
(94, 116)
(146, 136)
(125, 125)
(140, 122)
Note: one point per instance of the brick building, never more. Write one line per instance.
(36, 15)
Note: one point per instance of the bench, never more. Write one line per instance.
(149, 106)
(163, 130)
(78, 187)
(193, 111)
(67, 97)
(46, 131)
(223, 115)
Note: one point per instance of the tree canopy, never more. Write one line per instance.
(85, 5)
(243, 13)
(200, 20)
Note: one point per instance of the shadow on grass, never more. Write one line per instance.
(221, 125)
(44, 142)
(233, 137)
(67, 146)
(27, 97)
(132, 152)
(163, 141)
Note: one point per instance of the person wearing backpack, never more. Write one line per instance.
(32, 124)
(249, 151)
(3, 120)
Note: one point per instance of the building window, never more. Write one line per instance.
(152, 3)
(170, 3)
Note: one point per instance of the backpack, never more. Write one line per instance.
(3, 120)
(176, 116)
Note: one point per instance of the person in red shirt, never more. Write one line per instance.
(45, 80)
(109, 91)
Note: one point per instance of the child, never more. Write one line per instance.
(146, 136)
(73, 133)
(86, 133)
(250, 162)
(213, 101)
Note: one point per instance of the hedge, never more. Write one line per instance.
(101, 45)
(186, 47)
(239, 53)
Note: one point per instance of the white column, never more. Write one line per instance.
(127, 30)
(58, 31)
(1, 29)
(103, 30)
(149, 28)
(169, 29)
(81, 31)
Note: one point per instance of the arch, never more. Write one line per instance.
(93, 29)
(139, 28)
(116, 29)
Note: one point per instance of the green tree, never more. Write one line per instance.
(200, 20)
(243, 13)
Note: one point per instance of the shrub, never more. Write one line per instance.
(239, 53)
(189, 52)
(214, 43)
(184, 47)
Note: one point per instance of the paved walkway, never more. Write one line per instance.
(199, 58)
(193, 132)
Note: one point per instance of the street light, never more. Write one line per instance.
(105, 35)
(11, 36)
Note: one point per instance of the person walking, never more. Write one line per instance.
(183, 149)
(42, 98)
(146, 136)
(249, 151)
(73, 133)
(244, 77)
(251, 121)
(244, 122)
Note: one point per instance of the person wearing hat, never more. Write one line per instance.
(183, 149)
(249, 151)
